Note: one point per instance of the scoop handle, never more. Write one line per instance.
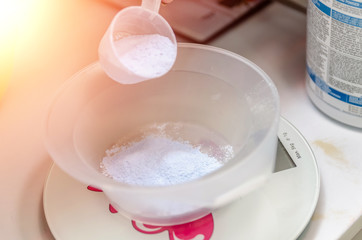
(153, 5)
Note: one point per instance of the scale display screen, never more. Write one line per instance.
(283, 159)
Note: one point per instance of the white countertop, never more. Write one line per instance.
(63, 38)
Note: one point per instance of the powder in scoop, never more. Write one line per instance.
(146, 55)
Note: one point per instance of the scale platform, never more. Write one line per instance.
(280, 209)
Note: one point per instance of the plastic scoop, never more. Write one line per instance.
(138, 45)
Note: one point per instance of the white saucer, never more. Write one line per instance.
(280, 210)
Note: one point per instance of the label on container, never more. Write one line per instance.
(334, 53)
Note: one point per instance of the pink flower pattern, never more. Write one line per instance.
(186, 231)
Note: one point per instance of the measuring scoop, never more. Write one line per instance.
(138, 45)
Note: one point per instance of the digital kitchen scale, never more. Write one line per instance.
(280, 209)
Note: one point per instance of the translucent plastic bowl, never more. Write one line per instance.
(208, 87)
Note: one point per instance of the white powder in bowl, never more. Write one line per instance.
(146, 55)
(158, 160)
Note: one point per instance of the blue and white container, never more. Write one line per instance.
(334, 58)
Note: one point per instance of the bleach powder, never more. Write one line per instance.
(157, 159)
(149, 56)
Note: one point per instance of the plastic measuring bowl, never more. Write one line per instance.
(137, 21)
(208, 87)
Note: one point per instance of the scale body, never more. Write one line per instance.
(280, 209)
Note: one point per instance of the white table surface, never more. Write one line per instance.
(61, 37)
